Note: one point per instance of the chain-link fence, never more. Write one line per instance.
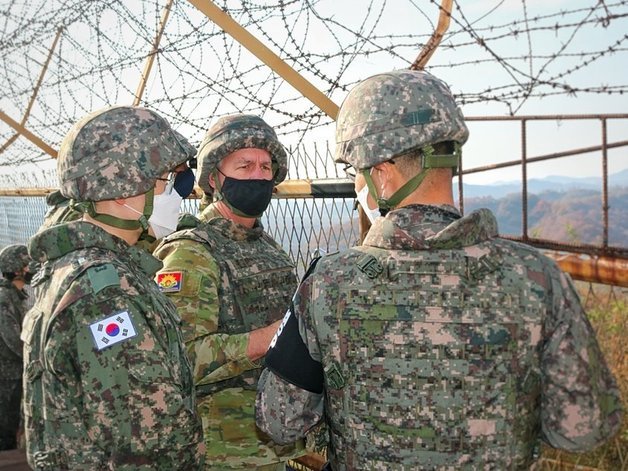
(301, 225)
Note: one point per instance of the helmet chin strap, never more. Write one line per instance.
(89, 207)
(429, 160)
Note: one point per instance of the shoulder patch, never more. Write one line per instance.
(112, 330)
(102, 276)
(169, 281)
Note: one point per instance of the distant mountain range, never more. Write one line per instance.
(574, 216)
(539, 185)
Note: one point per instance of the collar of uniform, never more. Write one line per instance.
(422, 227)
(227, 227)
(62, 239)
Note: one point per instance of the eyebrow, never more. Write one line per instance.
(245, 160)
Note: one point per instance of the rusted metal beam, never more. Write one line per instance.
(541, 158)
(28, 135)
(35, 91)
(25, 191)
(609, 271)
(272, 60)
(153, 53)
(441, 28)
(589, 249)
(317, 188)
(548, 117)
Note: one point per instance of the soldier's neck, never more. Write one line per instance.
(129, 236)
(226, 212)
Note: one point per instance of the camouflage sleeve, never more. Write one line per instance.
(214, 356)
(581, 405)
(122, 403)
(290, 399)
(284, 411)
(11, 326)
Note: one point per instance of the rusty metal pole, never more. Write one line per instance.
(153, 53)
(605, 183)
(441, 28)
(35, 90)
(28, 135)
(610, 271)
(524, 180)
(268, 57)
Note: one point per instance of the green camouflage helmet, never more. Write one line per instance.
(234, 132)
(392, 113)
(118, 152)
(13, 258)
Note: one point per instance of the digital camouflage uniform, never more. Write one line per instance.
(226, 281)
(107, 383)
(13, 259)
(435, 344)
(444, 347)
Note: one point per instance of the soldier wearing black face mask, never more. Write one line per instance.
(15, 265)
(232, 283)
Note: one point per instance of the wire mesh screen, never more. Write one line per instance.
(302, 226)
(21, 216)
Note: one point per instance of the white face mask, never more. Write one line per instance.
(165, 215)
(163, 221)
(362, 197)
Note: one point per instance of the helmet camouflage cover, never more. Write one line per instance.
(13, 258)
(118, 152)
(392, 113)
(234, 132)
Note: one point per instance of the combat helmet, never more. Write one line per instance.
(118, 152)
(393, 113)
(234, 132)
(13, 258)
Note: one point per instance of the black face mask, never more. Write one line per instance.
(28, 276)
(251, 197)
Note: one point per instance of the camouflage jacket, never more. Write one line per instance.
(105, 363)
(226, 281)
(437, 345)
(11, 314)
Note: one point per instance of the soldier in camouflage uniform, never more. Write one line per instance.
(107, 384)
(232, 283)
(15, 268)
(435, 344)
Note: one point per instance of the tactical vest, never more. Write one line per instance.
(424, 354)
(51, 284)
(259, 282)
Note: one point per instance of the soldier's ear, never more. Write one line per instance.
(212, 182)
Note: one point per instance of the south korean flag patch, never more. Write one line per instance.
(112, 330)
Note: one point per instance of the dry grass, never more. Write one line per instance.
(607, 309)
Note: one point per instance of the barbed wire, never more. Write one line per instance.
(532, 50)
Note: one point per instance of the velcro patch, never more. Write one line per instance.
(112, 330)
(170, 281)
